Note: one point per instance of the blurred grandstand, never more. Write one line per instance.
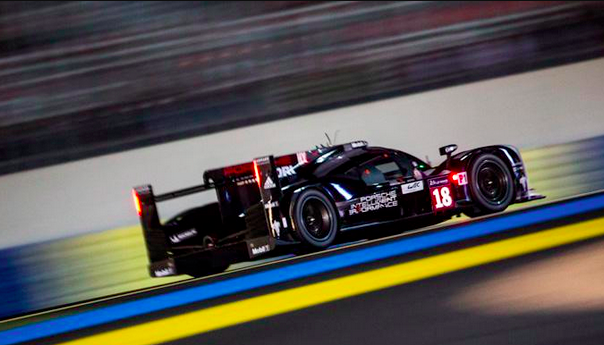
(80, 79)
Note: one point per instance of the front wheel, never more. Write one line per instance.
(315, 219)
(491, 185)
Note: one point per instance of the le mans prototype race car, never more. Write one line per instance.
(308, 198)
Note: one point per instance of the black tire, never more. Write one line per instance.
(315, 219)
(491, 185)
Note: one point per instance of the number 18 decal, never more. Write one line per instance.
(441, 198)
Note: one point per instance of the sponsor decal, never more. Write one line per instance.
(284, 222)
(374, 202)
(357, 144)
(143, 189)
(438, 182)
(247, 181)
(236, 169)
(258, 247)
(177, 238)
(262, 160)
(164, 272)
(462, 178)
(302, 157)
(260, 250)
(276, 227)
(269, 184)
(413, 187)
(271, 204)
(284, 171)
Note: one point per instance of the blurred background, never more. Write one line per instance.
(81, 79)
(96, 97)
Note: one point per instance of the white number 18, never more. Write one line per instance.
(442, 196)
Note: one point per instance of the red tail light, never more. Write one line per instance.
(137, 202)
(256, 173)
(454, 177)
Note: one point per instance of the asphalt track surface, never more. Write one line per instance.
(418, 313)
(443, 292)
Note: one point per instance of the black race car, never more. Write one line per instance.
(305, 200)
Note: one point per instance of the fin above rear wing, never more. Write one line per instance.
(267, 177)
(155, 239)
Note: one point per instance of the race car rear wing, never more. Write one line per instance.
(167, 257)
(238, 188)
(266, 174)
(155, 239)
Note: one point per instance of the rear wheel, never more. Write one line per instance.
(491, 185)
(315, 219)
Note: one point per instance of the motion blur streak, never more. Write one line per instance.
(300, 270)
(90, 78)
(303, 297)
(541, 287)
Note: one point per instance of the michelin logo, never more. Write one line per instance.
(183, 236)
(413, 187)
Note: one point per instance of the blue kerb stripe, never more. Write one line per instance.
(295, 271)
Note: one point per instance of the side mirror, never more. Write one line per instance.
(447, 150)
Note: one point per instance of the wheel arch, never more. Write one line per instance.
(292, 197)
(510, 155)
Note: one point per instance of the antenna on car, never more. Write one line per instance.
(329, 141)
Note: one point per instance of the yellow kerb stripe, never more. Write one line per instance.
(234, 313)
